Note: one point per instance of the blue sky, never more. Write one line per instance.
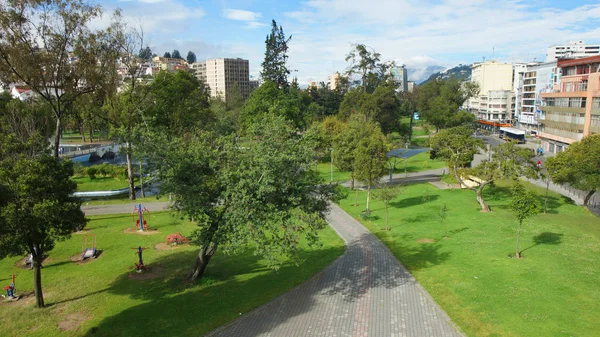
(418, 33)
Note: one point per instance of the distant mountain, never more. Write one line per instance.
(462, 72)
(421, 72)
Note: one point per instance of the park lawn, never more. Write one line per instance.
(75, 137)
(85, 184)
(417, 163)
(552, 291)
(99, 298)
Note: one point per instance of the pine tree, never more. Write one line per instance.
(176, 54)
(274, 66)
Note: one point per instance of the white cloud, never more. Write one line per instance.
(431, 33)
(241, 15)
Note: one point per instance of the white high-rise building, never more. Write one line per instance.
(572, 49)
(223, 74)
(495, 80)
(537, 79)
(400, 74)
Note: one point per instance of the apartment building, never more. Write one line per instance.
(572, 49)
(169, 64)
(221, 75)
(400, 75)
(571, 110)
(333, 81)
(493, 104)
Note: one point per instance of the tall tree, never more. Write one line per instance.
(145, 53)
(370, 158)
(260, 193)
(387, 114)
(36, 207)
(124, 110)
(440, 100)
(523, 205)
(366, 63)
(167, 55)
(191, 57)
(275, 63)
(47, 46)
(176, 54)
(578, 166)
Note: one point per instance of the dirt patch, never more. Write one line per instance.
(82, 232)
(22, 299)
(137, 231)
(166, 246)
(426, 240)
(152, 273)
(21, 263)
(72, 322)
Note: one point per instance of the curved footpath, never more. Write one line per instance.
(365, 292)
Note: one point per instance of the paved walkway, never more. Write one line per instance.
(365, 292)
(123, 208)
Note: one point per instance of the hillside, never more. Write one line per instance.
(462, 72)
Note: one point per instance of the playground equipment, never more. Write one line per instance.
(87, 253)
(140, 267)
(176, 239)
(10, 289)
(140, 222)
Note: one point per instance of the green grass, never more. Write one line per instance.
(112, 304)
(85, 184)
(75, 137)
(418, 163)
(552, 291)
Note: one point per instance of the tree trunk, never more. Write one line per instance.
(387, 228)
(482, 203)
(82, 132)
(368, 196)
(57, 138)
(142, 181)
(91, 135)
(546, 198)
(37, 280)
(352, 181)
(518, 236)
(202, 261)
(587, 198)
(130, 176)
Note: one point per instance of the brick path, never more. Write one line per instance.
(366, 292)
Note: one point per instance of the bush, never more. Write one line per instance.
(92, 171)
(104, 170)
(78, 169)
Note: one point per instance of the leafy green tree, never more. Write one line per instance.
(260, 193)
(388, 109)
(167, 55)
(353, 103)
(344, 147)
(191, 57)
(328, 99)
(36, 208)
(578, 166)
(274, 66)
(370, 158)
(48, 46)
(387, 193)
(176, 54)
(177, 103)
(145, 53)
(30, 122)
(366, 63)
(440, 100)
(523, 205)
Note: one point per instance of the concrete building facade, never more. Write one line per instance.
(537, 79)
(495, 80)
(571, 110)
(572, 49)
(333, 81)
(400, 75)
(221, 75)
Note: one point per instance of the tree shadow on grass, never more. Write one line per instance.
(413, 201)
(545, 238)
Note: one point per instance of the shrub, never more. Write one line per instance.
(91, 172)
(79, 169)
(103, 170)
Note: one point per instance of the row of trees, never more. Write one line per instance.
(190, 58)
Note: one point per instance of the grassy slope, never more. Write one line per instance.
(85, 184)
(552, 291)
(114, 305)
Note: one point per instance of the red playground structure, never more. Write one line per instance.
(140, 267)
(176, 239)
(140, 223)
(10, 289)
